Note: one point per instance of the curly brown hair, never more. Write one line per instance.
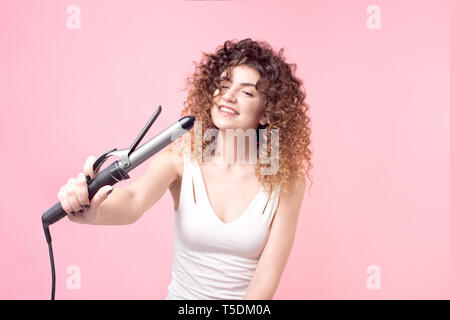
(284, 105)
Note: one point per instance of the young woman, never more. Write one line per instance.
(235, 221)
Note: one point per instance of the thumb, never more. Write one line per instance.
(100, 196)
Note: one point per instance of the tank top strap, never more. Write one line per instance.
(271, 204)
(186, 193)
(194, 188)
(201, 198)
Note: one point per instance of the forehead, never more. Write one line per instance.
(241, 73)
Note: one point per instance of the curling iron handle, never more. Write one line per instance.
(109, 176)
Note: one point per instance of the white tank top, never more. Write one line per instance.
(213, 259)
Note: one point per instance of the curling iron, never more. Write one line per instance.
(118, 170)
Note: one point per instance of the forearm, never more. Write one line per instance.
(117, 209)
(260, 292)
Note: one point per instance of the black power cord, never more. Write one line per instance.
(52, 262)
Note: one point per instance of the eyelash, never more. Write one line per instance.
(251, 95)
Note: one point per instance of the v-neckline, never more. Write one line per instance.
(211, 209)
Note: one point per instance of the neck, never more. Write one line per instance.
(229, 154)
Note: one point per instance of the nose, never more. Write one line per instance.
(229, 96)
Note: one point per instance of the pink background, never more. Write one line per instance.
(380, 113)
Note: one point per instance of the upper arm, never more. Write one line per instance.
(278, 246)
(152, 185)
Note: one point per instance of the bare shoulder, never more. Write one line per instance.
(291, 198)
(295, 186)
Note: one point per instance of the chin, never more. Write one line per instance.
(223, 122)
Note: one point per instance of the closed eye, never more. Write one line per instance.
(248, 93)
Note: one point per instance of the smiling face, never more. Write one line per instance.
(240, 94)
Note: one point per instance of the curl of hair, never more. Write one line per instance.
(285, 105)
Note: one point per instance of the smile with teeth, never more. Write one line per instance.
(228, 110)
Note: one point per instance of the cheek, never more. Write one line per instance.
(215, 98)
(255, 111)
(216, 94)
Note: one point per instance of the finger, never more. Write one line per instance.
(89, 166)
(82, 190)
(62, 196)
(101, 196)
(72, 196)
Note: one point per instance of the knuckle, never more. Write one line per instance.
(62, 193)
(75, 207)
(70, 190)
(83, 201)
(80, 180)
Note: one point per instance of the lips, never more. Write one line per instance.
(222, 105)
